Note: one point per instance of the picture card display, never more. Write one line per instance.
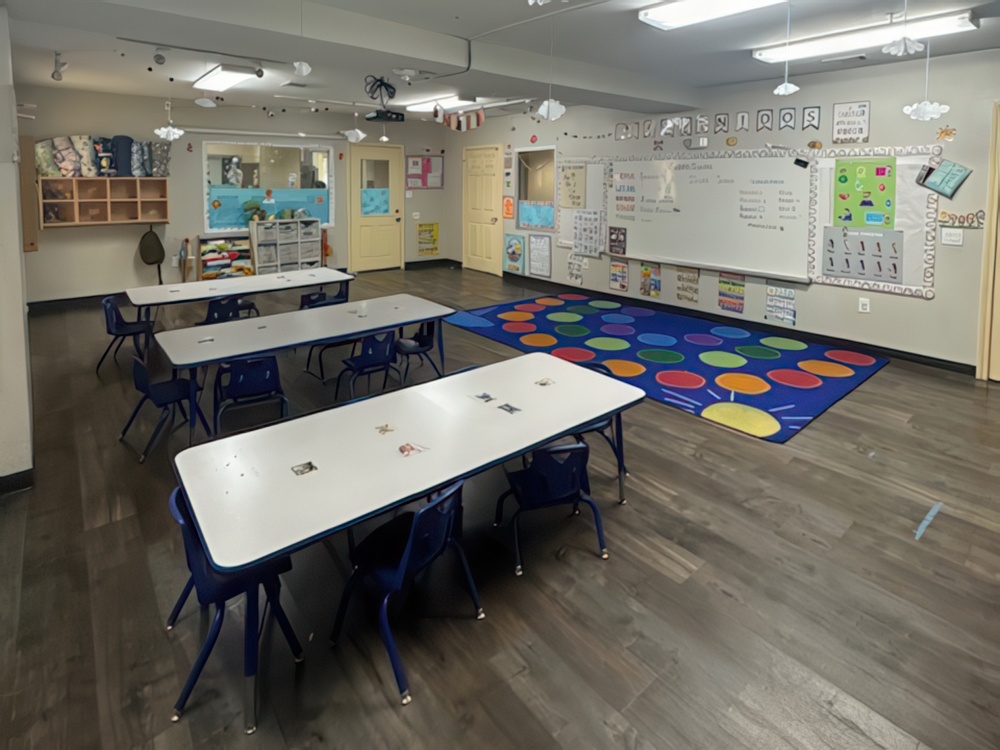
(424, 172)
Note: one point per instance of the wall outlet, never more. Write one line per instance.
(864, 305)
(175, 261)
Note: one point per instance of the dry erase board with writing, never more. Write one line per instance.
(745, 211)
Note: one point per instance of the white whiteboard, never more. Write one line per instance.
(746, 211)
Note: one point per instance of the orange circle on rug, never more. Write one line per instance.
(850, 358)
(825, 369)
(549, 301)
(519, 327)
(538, 339)
(515, 315)
(741, 382)
(624, 368)
(529, 307)
(574, 354)
(748, 419)
(680, 379)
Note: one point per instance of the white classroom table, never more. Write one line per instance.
(239, 286)
(190, 348)
(253, 496)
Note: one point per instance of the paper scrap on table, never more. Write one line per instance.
(408, 449)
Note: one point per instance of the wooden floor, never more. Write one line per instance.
(757, 595)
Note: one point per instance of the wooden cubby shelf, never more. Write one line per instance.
(94, 201)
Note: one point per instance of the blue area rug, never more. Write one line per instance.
(765, 385)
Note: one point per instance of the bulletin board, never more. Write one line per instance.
(424, 172)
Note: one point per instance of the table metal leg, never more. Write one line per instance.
(440, 338)
(250, 661)
(193, 406)
(620, 451)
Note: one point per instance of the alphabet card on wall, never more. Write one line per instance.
(619, 276)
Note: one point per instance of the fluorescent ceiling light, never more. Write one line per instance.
(689, 12)
(870, 36)
(223, 77)
(448, 102)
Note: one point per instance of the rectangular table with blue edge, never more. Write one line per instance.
(191, 348)
(272, 491)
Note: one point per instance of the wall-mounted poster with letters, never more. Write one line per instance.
(851, 122)
(540, 255)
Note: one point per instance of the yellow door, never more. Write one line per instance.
(376, 208)
(482, 229)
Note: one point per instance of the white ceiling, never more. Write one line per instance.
(603, 55)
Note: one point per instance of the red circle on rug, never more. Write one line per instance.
(680, 379)
(519, 327)
(574, 297)
(850, 358)
(795, 378)
(573, 354)
(529, 307)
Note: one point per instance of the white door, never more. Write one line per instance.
(376, 208)
(482, 227)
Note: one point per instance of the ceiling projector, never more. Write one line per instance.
(385, 115)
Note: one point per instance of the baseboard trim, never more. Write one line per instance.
(18, 481)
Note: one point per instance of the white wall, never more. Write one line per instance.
(15, 388)
(944, 327)
(84, 261)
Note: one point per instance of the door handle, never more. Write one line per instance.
(397, 219)
(493, 220)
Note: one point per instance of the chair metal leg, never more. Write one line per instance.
(345, 597)
(101, 360)
(429, 359)
(251, 628)
(199, 663)
(619, 446)
(121, 340)
(168, 411)
(390, 646)
(480, 615)
(273, 591)
(176, 611)
(597, 523)
(518, 569)
(135, 413)
(498, 514)
(201, 416)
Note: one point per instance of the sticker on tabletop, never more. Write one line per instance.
(484, 397)
(509, 408)
(384, 429)
(408, 449)
(545, 381)
(305, 468)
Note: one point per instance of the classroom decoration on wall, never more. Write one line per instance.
(945, 179)
(732, 292)
(863, 254)
(424, 172)
(574, 268)
(581, 187)
(573, 186)
(508, 207)
(865, 193)
(744, 378)
(617, 238)
(618, 276)
(231, 207)
(649, 280)
(540, 255)
(536, 215)
(92, 156)
(851, 122)
(374, 201)
(780, 304)
(688, 284)
(971, 220)
(588, 232)
(427, 239)
(513, 252)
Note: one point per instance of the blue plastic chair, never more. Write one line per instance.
(419, 345)
(606, 428)
(217, 588)
(120, 329)
(391, 556)
(166, 396)
(247, 381)
(222, 310)
(322, 299)
(556, 475)
(378, 354)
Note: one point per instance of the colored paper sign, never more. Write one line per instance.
(536, 215)
(619, 275)
(427, 239)
(688, 284)
(508, 207)
(864, 192)
(732, 292)
(374, 201)
(649, 280)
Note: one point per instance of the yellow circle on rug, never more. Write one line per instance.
(741, 417)
(741, 382)
(549, 302)
(515, 315)
(538, 339)
(825, 369)
(624, 368)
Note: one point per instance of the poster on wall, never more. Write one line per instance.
(616, 240)
(688, 284)
(424, 172)
(374, 201)
(540, 255)
(572, 186)
(945, 179)
(869, 255)
(649, 280)
(619, 276)
(588, 236)
(780, 304)
(864, 192)
(732, 292)
(508, 207)
(574, 269)
(851, 121)
(513, 251)
(427, 239)
(536, 215)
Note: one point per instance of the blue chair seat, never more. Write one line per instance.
(421, 343)
(378, 354)
(119, 329)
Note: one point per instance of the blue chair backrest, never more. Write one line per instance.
(425, 334)
(221, 310)
(599, 367)
(140, 375)
(252, 377)
(379, 349)
(557, 472)
(318, 299)
(430, 532)
(113, 319)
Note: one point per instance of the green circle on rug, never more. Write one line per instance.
(664, 356)
(606, 344)
(564, 317)
(572, 331)
(722, 359)
(758, 352)
(582, 309)
(605, 304)
(777, 342)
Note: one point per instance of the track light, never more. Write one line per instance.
(223, 77)
(383, 138)
(59, 67)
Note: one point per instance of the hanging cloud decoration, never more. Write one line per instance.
(786, 89)
(551, 110)
(903, 46)
(925, 110)
(169, 133)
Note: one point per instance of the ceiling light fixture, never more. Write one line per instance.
(223, 77)
(158, 57)
(787, 89)
(60, 66)
(866, 37)
(539, 3)
(204, 101)
(903, 45)
(383, 138)
(926, 110)
(689, 12)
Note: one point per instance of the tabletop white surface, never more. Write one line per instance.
(249, 504)
(199, 345)
(193, 291)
